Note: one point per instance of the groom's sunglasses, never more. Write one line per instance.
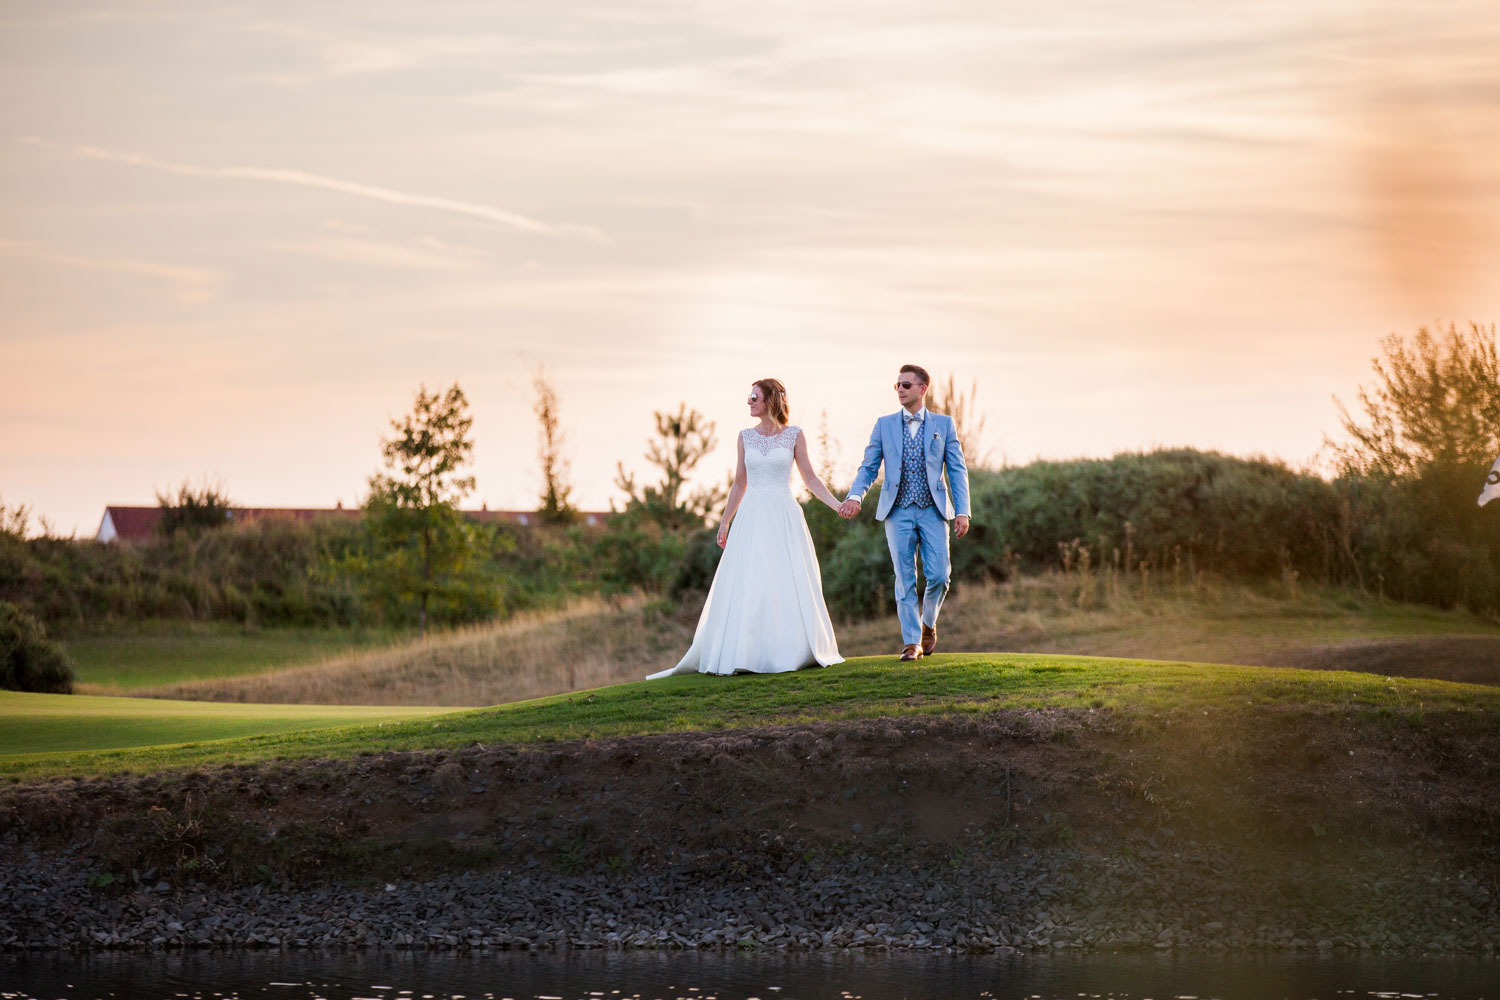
(903, 385)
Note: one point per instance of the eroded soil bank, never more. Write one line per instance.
(1253, 827)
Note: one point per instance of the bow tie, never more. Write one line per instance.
(910, 418)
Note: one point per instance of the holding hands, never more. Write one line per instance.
(849, 510)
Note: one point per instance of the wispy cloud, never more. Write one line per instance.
(473, 210)
(428, 256)
(340, 53)
(194, 284)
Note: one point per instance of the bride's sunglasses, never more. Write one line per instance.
(752, 399)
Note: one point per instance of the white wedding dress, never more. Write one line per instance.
(765, 612)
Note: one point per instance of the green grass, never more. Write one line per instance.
(954, 683)
(53, 723)
(150, 654)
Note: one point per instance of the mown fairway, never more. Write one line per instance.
(152, 654)
(54, 723)
(955, 683)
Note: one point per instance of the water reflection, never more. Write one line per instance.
(713, 976)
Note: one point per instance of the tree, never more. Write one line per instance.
(828, 453)
(193, 510)
(1410, 471)
(555, 487)
(1435, 402)
(968, 422)
(424, 544)
(682, 441)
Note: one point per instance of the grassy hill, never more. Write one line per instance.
(1158, 800)
(861, 688)
(1217, 805)
(595, 643)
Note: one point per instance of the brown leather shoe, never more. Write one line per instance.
(929, 640)
(911, 652)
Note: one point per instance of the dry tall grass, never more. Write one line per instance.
(594, 642)
(1205, 620)
(589, 644)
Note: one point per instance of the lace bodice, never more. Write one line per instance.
(768, 460)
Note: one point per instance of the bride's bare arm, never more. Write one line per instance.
(804, 466)
(736, 492)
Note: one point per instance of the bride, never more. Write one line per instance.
(765, 612)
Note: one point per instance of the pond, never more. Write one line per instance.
(727, 976)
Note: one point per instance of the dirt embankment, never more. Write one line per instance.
(1173, 822)
(1465, 659)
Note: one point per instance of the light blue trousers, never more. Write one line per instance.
(909, 530)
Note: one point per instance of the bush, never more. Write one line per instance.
(1172, 509)
(858, 581)
(268, 572)
(1422, 537)
(700, 561)
(192, 510)
(1411, 464)
(635, 553)
(1419, 538)
(1189, 512)
(29, 661)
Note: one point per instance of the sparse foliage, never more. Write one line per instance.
(1435, 402)
(201, 509)
(15, 521)
(555, 487)
(682, 441)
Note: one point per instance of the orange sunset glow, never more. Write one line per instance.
(234, 240)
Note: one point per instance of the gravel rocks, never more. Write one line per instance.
(1050, 899)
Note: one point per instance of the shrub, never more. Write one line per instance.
(29, 661)
(1410, 467)
(858, 581)
(1173, 508)
(1422, 537)
(270, 572)
(1185, 512)
(192, 510)
(700, 561)
(635, 553)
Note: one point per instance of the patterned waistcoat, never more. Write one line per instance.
(915, 491)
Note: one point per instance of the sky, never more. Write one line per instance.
(236, 239)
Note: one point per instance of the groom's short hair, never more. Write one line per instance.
(918, 371)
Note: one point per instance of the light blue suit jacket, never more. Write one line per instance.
(940, 446)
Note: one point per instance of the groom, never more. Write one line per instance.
(915, 445)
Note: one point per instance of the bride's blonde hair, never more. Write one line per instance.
(774, 394)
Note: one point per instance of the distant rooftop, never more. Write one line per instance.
(137, 524)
